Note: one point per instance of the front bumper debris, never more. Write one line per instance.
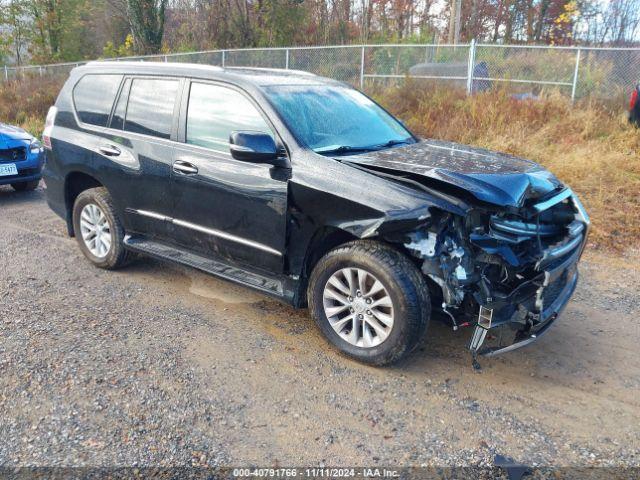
(508, 274)
(495, 339)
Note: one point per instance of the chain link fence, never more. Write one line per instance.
(578, 72)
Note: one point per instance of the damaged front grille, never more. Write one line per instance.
(535, 235)
(508, 272)
(552, 291)
(512, 262)
(10, 155)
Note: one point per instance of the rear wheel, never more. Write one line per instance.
(370, 301)
(25, 186)
(98, 230)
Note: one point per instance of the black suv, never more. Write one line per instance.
(304, 188)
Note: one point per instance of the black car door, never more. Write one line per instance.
(222, 206)
(145, 118)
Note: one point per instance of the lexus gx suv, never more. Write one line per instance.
(305, 189)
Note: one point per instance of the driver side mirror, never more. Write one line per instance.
(250, 146)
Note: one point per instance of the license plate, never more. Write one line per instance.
(8, 169)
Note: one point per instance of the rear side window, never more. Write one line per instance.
(214, 112)
(150, 109)
(93, 97)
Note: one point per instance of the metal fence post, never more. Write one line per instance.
(362, 69)
(165, 59)
(471, 66)
(575, 77)
(223, 57)
(6, 73)
(286, 60)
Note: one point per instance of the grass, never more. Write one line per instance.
(589, 146)
(26, 102)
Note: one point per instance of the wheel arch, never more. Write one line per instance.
(323, 240)
(75, 183)
(326, 239)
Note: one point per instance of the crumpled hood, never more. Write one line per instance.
(11, 136)
(492, 177)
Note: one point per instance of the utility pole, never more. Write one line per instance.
(454, 22)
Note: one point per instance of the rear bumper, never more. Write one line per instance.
(55, 192)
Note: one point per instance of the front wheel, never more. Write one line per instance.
(370, 301)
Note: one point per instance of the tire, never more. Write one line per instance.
(404, 286)
(25, 186)
(116, 255)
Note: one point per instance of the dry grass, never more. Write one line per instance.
(25, 102)
(589, 147)
(592, 149)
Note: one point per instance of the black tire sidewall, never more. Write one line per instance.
(95, 197)
(402, 339)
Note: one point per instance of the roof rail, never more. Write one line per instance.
(155, 64)
(283, 70)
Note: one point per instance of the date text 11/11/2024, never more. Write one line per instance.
(316, 472)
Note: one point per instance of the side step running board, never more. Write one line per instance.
(165, 252)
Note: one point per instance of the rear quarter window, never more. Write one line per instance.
(93, 97)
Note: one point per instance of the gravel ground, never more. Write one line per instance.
(160, 365)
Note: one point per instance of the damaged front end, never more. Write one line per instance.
(508, 272)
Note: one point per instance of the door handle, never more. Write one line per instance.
(109, 150)
(185, 168)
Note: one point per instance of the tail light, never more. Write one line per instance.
(48, 127)
(634, 98)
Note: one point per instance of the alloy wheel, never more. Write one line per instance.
(358, 307)
(95, 230)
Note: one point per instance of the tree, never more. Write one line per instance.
(621, 19)
(70, 30)
(59, 29)
(279, 21)
(146, 19)
(14, 41)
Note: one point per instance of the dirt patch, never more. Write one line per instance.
(159, 364)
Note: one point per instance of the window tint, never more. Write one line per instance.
(150, 109)
(93, 97)
(117, 121)
(214, 112)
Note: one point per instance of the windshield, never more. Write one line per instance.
(336, 119)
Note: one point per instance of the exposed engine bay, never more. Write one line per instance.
(500, 245)
(508, 272)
